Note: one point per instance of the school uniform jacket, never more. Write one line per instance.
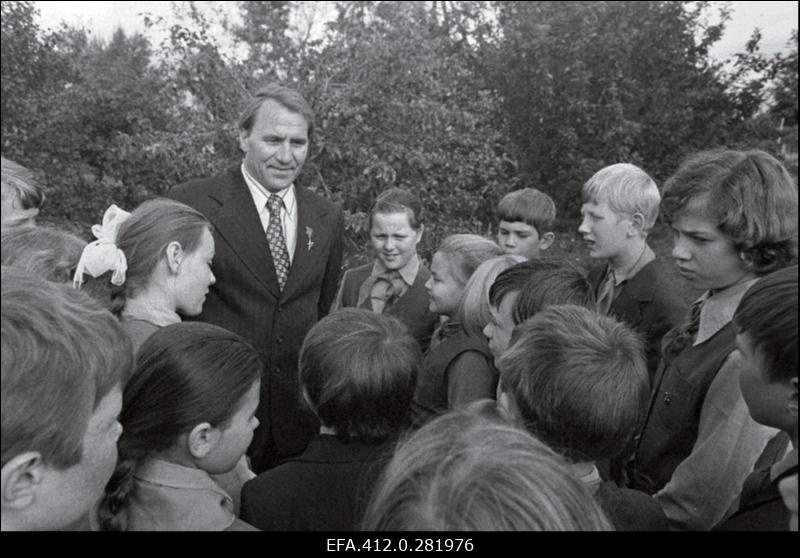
(247, 299)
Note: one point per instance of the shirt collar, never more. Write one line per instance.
(164, 473)
(408, 272)
(784, 465)
(261, 194)
(143, 310)
(718, 309)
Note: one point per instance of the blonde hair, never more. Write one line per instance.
(473, 309)
(627, 189)
(31, 193)
(465, 252)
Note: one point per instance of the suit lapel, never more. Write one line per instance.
(239, 224)
(312, 233)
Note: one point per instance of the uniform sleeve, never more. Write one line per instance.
(470, 377)
(728, 444)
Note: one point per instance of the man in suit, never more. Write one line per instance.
(278, 259)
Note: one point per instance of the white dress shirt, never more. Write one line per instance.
(288, 213)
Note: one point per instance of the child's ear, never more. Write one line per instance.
(21, 477)
(174, 256)
(637, 224)
(419, 233)
(546, 240)
(792, 406)
(507, 406)
(202, 439)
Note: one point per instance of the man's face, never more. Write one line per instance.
(501, 324)
(276, 147)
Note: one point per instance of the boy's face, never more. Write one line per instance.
(522, 239)
(72, 492)
(705, 257)
(501, 324)
(605, 232)
(768, 402)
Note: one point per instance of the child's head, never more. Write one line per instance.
(766, 324)
(63, 360)
(45, 252)
(525, 289)
(577, 380)
(358, 370)
(464, 471)
(526, 218)
(22, 196)
(733, 216)
(473, 310)
(455, 261)
(162, 244)
(619, 207)
(194, 395)
(395, 225)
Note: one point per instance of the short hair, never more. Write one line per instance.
(288, 98)
(465, 471)
(530, 206)
(749, 195)
(473, 309)
(399, 200)
(30, 192)
(143, 238)
(62, 353)
(579, 380)
(514, 278)
(46, 252)
(465, 252)
(554, 282)
(186, 374)
(626, 189)
(768, 314)
(359, 370)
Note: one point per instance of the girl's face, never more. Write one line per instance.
(444, 288)
(705, 257)
(195, 277)
(235, 437)
(393, 239)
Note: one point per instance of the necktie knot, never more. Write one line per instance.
(274, 204)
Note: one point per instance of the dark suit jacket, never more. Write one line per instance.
(325, 489)
(651, 302)
(247, 300)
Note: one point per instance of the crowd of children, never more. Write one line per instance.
(496, 389)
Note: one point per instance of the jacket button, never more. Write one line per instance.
(667, 398)
(279, 340)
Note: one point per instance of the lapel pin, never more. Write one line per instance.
(309, 234)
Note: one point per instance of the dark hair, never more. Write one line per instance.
(556, 282)
(398, 200)
(749, 195)
(768, 314)
(465, 471)
(358, 370)
(530, 206)
(579, 380)
(288, 98)
(62, 354)
(186, 374)
(46, 252)
(143, 238)
(515, 277)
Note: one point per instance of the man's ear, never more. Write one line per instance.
(243, 135)
(546, 240)
(792, 406)
(21, 477)
(202, 439)
(174, 253)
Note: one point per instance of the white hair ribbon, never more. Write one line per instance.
(102, 255)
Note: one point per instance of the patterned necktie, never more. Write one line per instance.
(386, 290)
(277, 244)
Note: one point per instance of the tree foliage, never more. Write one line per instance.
(458, 101)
